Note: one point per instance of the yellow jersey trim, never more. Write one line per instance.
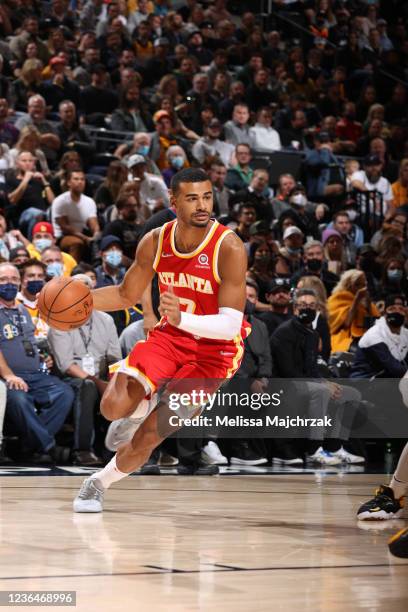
(215, 255)
(200, 246)
(159, 246)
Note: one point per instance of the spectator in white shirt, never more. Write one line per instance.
(153, 191)
(74, 217)
(371, 179)
(264, 137)
(210, 145)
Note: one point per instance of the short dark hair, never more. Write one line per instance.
(188, 175)
(31, 262)
(341, 213)
(251, 283)
(82, 268)
(244, 205)
(76, 171)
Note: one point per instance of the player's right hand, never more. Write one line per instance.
(170, 307)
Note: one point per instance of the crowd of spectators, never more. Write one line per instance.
(300, 118)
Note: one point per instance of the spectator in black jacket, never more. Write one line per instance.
(382, 351)
(256, 367)
(295, 348)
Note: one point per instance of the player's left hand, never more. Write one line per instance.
(170, 307)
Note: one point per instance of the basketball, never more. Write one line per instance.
(65, 303)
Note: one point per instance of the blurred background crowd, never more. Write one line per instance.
(298, 110)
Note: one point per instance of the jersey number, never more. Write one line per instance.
(190, 305)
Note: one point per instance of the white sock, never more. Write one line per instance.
(399, 488)
(109, 474)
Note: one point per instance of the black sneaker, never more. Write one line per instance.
(151, 468)
(398, 544)
(382, 507)
(4, 459)
(286, 455)
(246, 456)
(197, 469)
(86, 458)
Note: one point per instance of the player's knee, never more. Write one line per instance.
(109, 409)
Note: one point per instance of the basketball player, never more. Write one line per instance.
(201, 267)
(388, 502)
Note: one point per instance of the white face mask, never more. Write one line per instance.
(352, 214)
(299, 199)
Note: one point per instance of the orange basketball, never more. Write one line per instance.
(65, 303)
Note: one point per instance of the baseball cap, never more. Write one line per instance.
(372, 160)
(43, 226)
(290, 231)
(278, 284)
(135, 160)
(161, 42)
(160, 114)
(108, 240)
(54, 61)
(328, 233)
(259, 227)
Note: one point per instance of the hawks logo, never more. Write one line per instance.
(203, 259)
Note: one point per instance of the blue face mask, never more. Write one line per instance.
(177, 161)
(34, 286)
(143, 150)
(42, 243)
(8, 291)
(55, 268)
(113, 258)
(394, 275)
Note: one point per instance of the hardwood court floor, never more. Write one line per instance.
(253, 543)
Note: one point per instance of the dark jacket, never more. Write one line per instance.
(294, 349)
(257, 361)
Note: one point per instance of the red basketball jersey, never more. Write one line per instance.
(194, 276)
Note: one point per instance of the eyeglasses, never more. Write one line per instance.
(312, 305)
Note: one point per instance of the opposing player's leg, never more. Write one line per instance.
(388, 501)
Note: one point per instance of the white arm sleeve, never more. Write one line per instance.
(222, 326)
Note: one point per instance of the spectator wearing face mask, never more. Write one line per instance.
(293, 238)
(309, 213)
(32, 281)
(111, 271)
(262, 269)
(393, 278)
(314, 264)
(43, 238)
(295, 349)
(177, 160)
(382, 351)
(52, 258)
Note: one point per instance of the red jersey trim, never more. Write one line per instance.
(200, 246)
